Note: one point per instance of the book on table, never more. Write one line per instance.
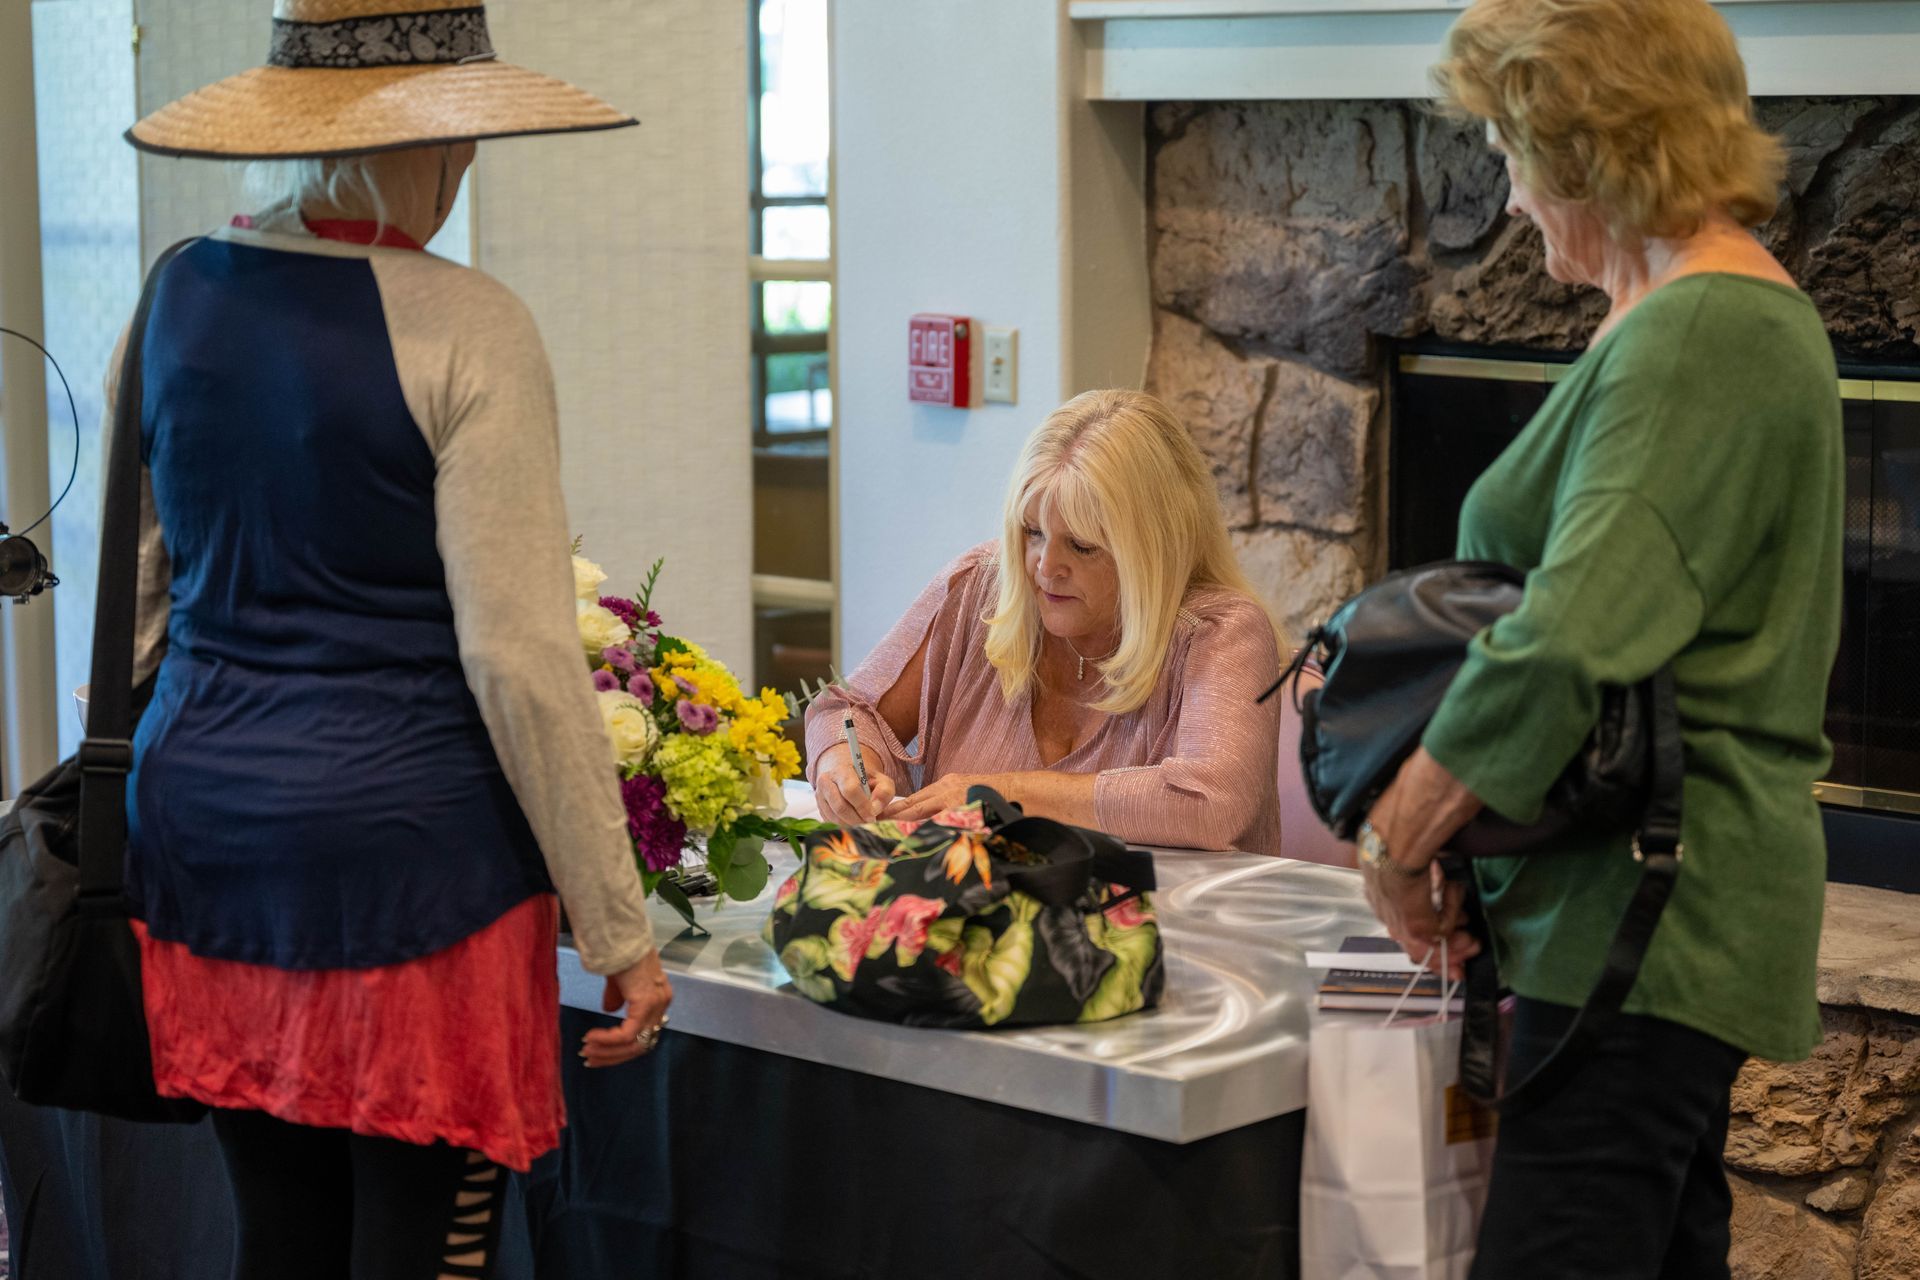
(1379, 989)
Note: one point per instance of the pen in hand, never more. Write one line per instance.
(859, 763)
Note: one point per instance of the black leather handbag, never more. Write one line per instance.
(1389, 655)
(73, 1026)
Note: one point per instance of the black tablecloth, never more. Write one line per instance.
(713, 1161)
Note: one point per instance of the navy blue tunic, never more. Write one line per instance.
(313, 785)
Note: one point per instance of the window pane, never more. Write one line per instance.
(798, 398)
(795, 232)
(84, 89)
(794, 131)
(796, 306)
(791, 532)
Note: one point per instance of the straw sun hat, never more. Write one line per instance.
(346, 77)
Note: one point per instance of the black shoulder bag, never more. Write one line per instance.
(1389, 655)
(73, 1026)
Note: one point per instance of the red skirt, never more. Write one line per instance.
(457, 1047)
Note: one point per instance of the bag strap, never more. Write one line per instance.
(106, 755)
(1657, 847)
(1295, 665)
(994, 807)
(1076, 854)
(1076, 857)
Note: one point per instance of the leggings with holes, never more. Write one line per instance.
(326, 1204)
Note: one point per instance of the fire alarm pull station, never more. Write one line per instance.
(940, 360)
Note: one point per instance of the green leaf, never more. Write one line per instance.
(786, 830)
(667, 645)
(645, 599)
(650, 880)
(750, 873)
(720, 847)
(809, 694)
(676, 897)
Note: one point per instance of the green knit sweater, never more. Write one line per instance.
(1679, 496)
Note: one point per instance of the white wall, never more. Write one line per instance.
(970, 178)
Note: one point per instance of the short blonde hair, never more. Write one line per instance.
(1122, 473)
(1637, 108)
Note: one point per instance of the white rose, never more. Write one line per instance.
(600, 628)
(630, 727)
(768, 798)
(587, 577)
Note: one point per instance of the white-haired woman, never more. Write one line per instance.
(1098, 664)
(371, 752)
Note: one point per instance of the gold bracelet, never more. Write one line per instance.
(1373, 853)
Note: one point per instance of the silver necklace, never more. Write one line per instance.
(1081, 672)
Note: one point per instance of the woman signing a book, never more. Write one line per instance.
(1098, 664)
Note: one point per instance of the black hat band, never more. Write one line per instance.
(383, 40)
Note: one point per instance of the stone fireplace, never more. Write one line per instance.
(1290, 241)
(1296, 248)
(1301, 250)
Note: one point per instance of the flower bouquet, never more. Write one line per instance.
(700, 762)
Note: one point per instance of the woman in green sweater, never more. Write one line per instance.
(1678, 498)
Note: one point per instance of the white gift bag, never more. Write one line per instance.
(1394, 1175)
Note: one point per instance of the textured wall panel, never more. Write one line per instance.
(631, 248)
(90, 234)
(185, 44)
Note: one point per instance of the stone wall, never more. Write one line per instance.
(1288, 238)
(1825, 1156)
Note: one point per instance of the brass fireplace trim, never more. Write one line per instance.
(1906, 392)
(1545, 371)
(1475, 367)
(1549, 371)
(1866, 798)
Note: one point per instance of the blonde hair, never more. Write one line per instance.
(1122, 473)
(1637, 108)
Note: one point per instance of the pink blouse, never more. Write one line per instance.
(1193, 768)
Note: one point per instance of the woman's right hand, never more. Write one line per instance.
(643, 988)
(837, 788)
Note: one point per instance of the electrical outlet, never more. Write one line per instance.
(1000, 364)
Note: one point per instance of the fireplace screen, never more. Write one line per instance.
(1453, 413)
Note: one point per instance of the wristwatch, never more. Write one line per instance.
(1373, 853)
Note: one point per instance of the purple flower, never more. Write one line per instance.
(604, 681)
(657, 834)
(641, 687)
(686, 686)
(653, 619)
(623, 610)
(617, 656)
(696, 717)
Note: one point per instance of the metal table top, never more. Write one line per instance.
(1227, 1047)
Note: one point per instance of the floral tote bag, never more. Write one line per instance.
(981, 917)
